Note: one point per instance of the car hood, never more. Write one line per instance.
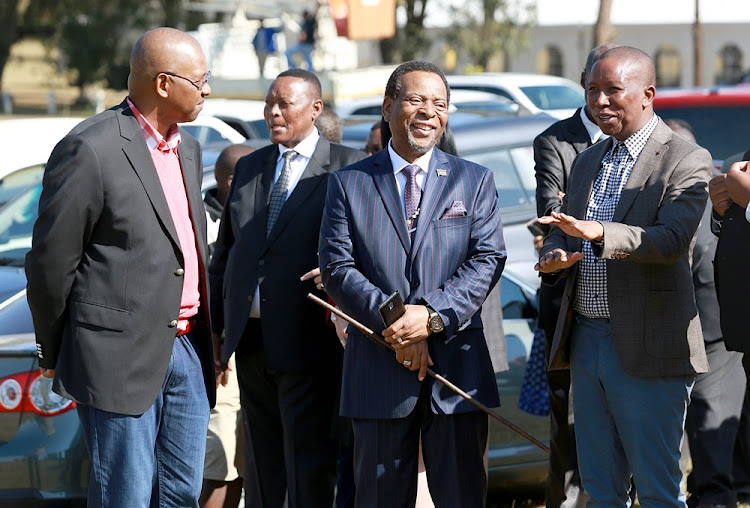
(12, 280)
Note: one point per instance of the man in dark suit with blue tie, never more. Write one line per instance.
(287, 355)
(415, 219)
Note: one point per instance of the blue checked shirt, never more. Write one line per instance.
(591, 286)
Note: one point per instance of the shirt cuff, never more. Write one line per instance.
(747, 213)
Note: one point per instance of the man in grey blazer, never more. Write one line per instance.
(628, 326)
(287, 354)
(554, 152)
(415, 219)
(117, 286)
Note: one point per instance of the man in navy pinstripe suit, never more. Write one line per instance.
(414, 219)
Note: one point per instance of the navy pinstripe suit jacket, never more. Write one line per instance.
(366, 254)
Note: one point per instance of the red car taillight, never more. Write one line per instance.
(30, 392)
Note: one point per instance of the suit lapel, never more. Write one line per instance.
(190, 174)
(385, 182)
(648, 160)
(316, 167)
(433, 191)
(138, 154)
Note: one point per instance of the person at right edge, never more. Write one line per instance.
(554, 151)
(628, 327)
(415, 219)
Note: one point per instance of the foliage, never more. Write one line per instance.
(487, 28)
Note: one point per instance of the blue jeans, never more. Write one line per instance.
(305, 50)
(155, 459)
(625, 424)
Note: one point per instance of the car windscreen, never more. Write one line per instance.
(554, 96)
(17, 219)
(513, 170)
(722, 130)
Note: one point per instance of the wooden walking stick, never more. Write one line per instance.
(378, 339)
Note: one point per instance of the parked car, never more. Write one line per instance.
(244, 116)
(538, 93)
(29, 143)
(461, 100)
(209, 130)
(719, 116)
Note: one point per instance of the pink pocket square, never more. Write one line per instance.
(457, 209)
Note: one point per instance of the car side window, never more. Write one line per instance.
(510, 190)
(514, 301)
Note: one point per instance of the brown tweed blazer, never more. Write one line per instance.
(655, 323)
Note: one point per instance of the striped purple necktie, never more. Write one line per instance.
(412, 196)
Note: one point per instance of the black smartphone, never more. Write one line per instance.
(392, 309)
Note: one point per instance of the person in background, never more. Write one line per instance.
(117, 285)
(329, 125)
(215, 198)
(288, 358)
(554, 152)
(374, 140)
(628, 327)
(222, 469)
(306, 44)
(264, 45)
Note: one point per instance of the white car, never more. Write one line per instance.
(208, 129)
(245, 116)
(29, 143)
(461, 100)
(539, 93)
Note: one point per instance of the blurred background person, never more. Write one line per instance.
(264, 45)
(222, 469)
(329, 125)
(374, 141)
(306, 43)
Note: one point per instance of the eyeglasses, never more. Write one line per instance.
(197, 84)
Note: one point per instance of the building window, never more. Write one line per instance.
(668, 65)
(550, 61)
(729, 65)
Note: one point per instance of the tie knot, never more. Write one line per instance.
(289, 155)
(411, 170)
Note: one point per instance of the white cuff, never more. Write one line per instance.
(747, 213)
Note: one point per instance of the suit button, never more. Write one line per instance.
(179, 272)
(415, 284)
(249, 298)
(173, 323)
(261, 262)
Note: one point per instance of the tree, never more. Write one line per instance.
(9, 20)
(486, 28)
(604, 32)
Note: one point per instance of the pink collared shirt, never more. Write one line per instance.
(167, 163)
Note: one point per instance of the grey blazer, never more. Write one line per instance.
(655, 323)
(105, 267)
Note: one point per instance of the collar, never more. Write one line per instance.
(153, 138)
(305, 148)
(399, 162)
(595, 133)
(637, 141)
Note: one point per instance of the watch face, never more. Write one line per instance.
(436, 324)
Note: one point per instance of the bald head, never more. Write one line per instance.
(224, 168)
(168, 77)
(620, 91)
(637, 64)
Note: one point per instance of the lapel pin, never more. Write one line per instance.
(441, 172)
